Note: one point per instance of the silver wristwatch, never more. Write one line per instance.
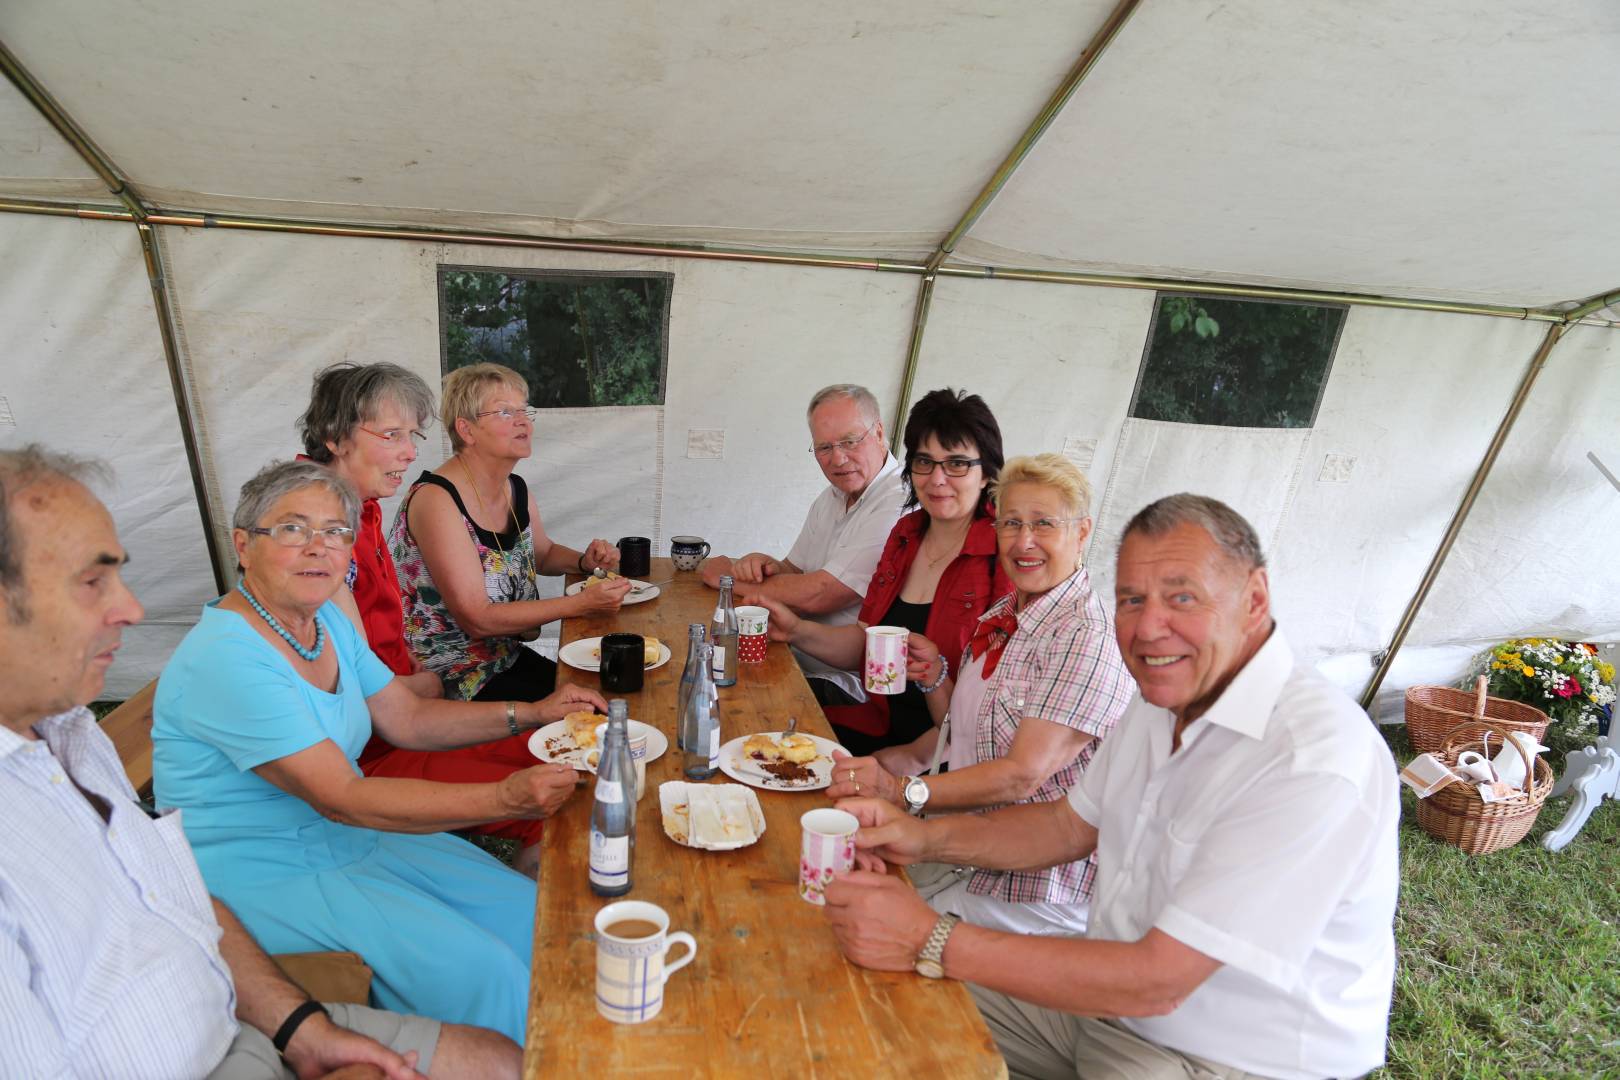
(914, 789)
(931, 961)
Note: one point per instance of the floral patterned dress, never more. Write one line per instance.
(464, 663)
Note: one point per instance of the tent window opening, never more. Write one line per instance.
(1236, 363)
(581, 339)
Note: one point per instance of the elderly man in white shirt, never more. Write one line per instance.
(1244, 817)
(825, 574)
(114, 961)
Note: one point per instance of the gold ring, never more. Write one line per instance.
(852, 776)
(857, 787)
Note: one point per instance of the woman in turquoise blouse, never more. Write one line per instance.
(258, 720)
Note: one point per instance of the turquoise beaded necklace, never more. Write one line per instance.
(320, 632)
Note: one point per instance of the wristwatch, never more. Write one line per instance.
(931, 961)
(915, 791)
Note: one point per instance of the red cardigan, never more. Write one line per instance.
(970, 584)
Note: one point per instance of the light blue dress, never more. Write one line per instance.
(446, 928)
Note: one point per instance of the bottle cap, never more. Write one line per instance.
(726, 581)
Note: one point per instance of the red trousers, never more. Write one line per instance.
(485, 763)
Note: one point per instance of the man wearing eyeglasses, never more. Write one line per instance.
(825, 575)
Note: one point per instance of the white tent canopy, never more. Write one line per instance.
(1452, 154)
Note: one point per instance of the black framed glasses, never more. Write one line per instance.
(294, 534)
(923, 465)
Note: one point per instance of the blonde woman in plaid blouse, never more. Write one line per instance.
(1038, 686)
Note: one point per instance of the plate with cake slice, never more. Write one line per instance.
(573, 740)
(586, 653)
(779, 761)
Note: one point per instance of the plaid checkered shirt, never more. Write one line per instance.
(1062, 665)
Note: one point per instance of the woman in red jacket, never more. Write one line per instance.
(365, 422)
(937, 574)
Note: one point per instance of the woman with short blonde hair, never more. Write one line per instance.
(469, 543)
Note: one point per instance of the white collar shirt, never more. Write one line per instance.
(1268, 843)
(109, 949)
(846, 541)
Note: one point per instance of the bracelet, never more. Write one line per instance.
(580, 562)
(511, 717)
(290, 1025)
(944, 669)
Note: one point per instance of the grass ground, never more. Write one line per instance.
(1509, 964)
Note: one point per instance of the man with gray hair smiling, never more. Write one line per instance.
(1244, 818)
(825, 574)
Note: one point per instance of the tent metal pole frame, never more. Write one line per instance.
(1575, 316)
(137, 213)
(1032, 133)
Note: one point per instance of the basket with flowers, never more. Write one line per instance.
(1564, 679)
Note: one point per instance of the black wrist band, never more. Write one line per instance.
(289, 1026)
(581, 563)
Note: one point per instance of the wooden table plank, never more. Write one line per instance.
(769, 994)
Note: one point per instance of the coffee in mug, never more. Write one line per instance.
(632, 952)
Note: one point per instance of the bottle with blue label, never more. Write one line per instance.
(701, 724)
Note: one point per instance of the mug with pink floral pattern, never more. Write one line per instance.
(828, 848)
(885, 671)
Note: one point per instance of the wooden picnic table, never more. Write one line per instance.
(769, 993)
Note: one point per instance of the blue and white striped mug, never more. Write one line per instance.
(632, 949)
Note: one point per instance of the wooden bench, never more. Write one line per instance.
(325, 976)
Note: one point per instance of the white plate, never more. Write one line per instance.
(675, 798)
(586, 654)
(553, 743)
(648, 592)
(735, 764)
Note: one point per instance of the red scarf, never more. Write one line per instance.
(992, 634)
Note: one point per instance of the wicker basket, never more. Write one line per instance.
(1432, 711)
(1456, 813)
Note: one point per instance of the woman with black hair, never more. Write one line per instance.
(937, 574)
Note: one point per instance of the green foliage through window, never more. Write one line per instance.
(580, 339)
(1236, 363)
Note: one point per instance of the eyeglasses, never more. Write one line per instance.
(528, 412)
(293, 534)
(847, 445)
(1041, 528)
(396, 435)
(922, 465)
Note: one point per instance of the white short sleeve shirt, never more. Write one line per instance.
(1268, 842)
(847, 542)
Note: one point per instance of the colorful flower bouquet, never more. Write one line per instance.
(1564, 679)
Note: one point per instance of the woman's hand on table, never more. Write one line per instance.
(559, 703)
(878, 921)
(922, 660)
(536, 792)
(857, 776)
(599, 554)
(603, 597)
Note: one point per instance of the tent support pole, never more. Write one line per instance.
(116, 184)
(1037, 127)
(919, 322)
(301, 227)
(1537, 362)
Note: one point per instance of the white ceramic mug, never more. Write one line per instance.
(631, 971)
(753, 627)
(885, 671)
(827, 848)
(638, 754)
